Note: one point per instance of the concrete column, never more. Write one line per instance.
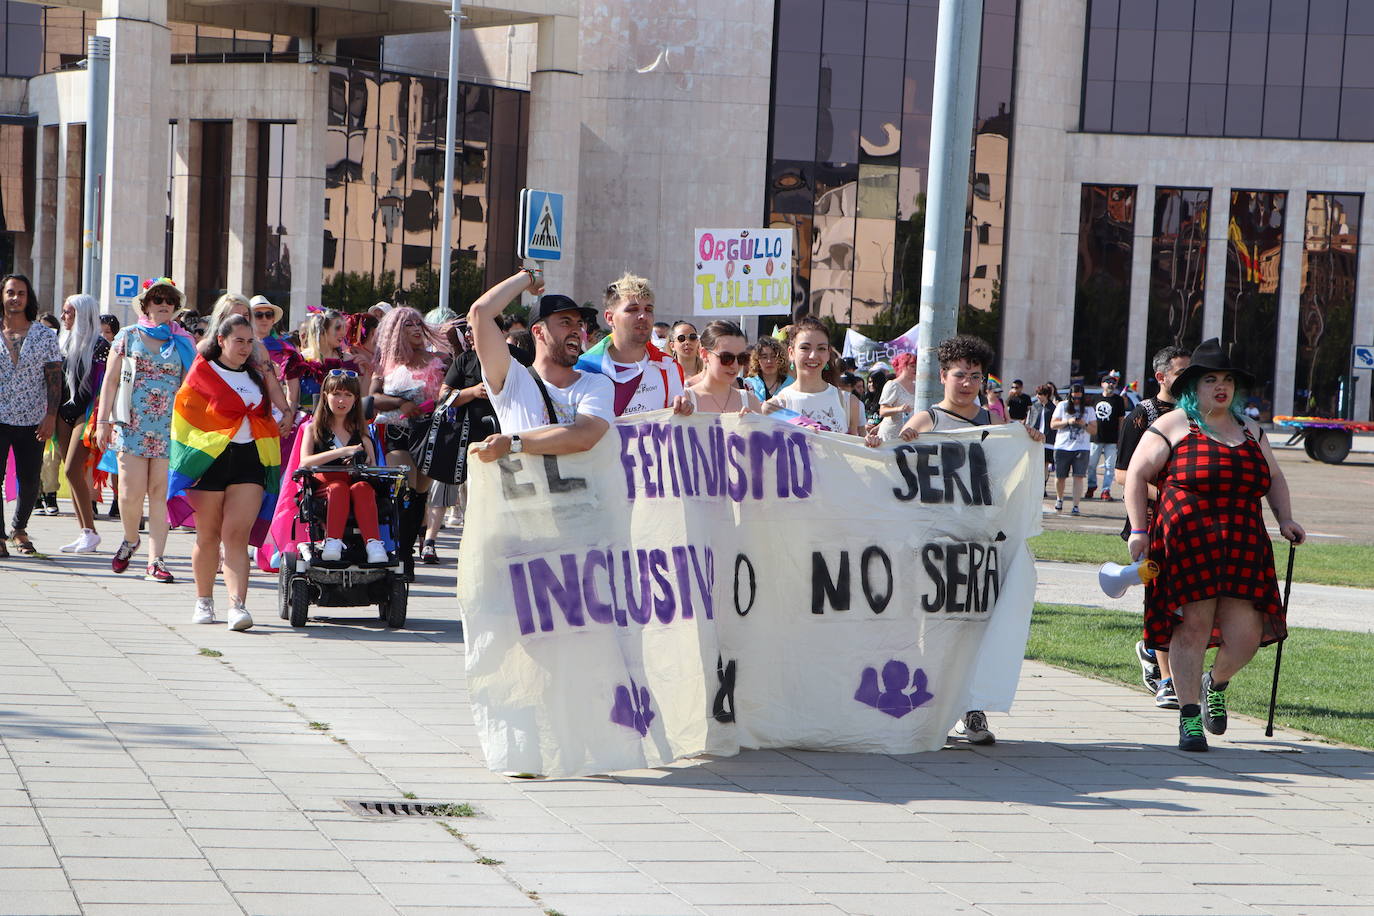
(307, 212)
(1214, 296)
(69, 230)
(186, 206)
(1137, 360)
(555, 145)
(1290, 286)
(243, 206)
(134, 218)
(43, 253)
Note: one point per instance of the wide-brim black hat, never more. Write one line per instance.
(1209, 357)
(553, 303)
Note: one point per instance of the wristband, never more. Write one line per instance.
(1140, 531)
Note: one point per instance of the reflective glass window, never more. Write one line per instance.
(1206, 110)
(798, 78)
(1244, 110)
(1286, 62)
(1101, 309)
(1097, 105)
(1134, 54)
(1169, 108)
(1137, 14)
(1212, 16)
(1326, 17)
(1254, 259)
(1103, 13)
(1320, 112)
(1178, 273)
(1211, 52)
(1101, 63)
(1250, 15)
(1358, 69)
(794, 132)
(1175, 14)
(1326, 303)
(1323, 64)
(1282, 111)
(885, 31)
(1357, 114)
(841, 80)
(882, 86)
(1131, 107)
(844, 27)
(1288, 16)
(799, 25)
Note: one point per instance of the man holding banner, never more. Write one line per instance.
(575, 406)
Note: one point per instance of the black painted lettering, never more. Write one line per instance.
(824, 588)
(877, 601)
(932, 555)
(510, 487)
(955, 577)
(557, 482)
(951, 462)
(744, 609)
(978, 472)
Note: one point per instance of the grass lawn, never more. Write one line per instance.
(1321, 563)
(1323, 685)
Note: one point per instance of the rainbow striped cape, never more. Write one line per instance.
(205, 417)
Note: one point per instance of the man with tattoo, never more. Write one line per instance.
(30, 392)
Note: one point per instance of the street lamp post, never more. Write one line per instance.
(450, 154)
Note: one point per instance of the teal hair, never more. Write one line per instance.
(1187, 400)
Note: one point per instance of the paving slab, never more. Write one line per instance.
(140, 776)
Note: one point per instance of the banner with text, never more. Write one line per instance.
(715, 582)
(742, 272)
(866, 351)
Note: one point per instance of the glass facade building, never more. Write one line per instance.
(1326, 304)
(1254, 261)
(1284, 69)
(850, 149)
(1178, 271)
(1102, 295)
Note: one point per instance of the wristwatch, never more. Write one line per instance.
(516, 446)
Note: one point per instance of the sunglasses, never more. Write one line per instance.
(159, 299)
(729, 359)
(683, 338)
(264, 314)
(341, 373)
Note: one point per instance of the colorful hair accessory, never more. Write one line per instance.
(159, 281)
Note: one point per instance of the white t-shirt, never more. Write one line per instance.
(241, 382)
(829, 408)
(895, 395)
(1072, 438)
(519, 405)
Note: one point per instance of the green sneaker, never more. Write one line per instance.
(1190, 734)
(1213, 706)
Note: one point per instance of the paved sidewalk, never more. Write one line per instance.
(140, 776)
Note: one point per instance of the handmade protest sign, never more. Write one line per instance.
(742, 272)
(866, 351)
(714, 582)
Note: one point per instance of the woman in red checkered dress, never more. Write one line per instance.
(1216, 586)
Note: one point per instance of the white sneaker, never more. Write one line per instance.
(86, 542)
(376, 551)
(205, 611)
(239, 618)
(332, 550)
(973, 727)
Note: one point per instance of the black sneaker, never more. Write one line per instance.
(1165, 697)
(1190, 735)
(1149, 666)
(428, 555)
(1213, 706)
(1091, 491)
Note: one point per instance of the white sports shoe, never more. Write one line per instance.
(239, 618)
(205, 611)
(376, 551)
(332, 550)
(86, 542)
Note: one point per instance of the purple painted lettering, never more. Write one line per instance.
(598, 610)
(520, 590)
(737, 483)
(566, 591)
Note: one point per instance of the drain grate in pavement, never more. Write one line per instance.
(409, 808)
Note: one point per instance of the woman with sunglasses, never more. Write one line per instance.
(685, 346)
(322, 349)
(285, 357)
(724, 349)
(768, 368)
(146, 365)
(410, 372)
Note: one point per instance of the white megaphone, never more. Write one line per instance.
(1115, 578)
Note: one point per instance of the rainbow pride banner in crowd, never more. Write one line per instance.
(710, 583)
(867, 352)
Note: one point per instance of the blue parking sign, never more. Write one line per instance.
(125, 286)
(1362, 357)
(541, 225)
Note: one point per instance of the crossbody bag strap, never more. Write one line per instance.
(548, 401)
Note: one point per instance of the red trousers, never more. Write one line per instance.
(338, 494)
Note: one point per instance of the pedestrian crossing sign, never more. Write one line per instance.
(541, 225)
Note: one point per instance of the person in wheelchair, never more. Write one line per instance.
(337, 437)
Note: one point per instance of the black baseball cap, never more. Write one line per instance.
(554, 303)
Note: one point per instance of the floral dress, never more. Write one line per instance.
(148, 434)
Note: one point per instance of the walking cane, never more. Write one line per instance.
(1278, 653)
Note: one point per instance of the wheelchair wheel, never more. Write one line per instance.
(299, 602)
(284, 576)
(393, 609)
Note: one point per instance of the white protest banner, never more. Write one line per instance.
(715, 582)
(866, 351)
(742, 272)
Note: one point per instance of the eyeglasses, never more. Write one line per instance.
(341, 373)
(264, 314)
(961, 376)
(683, 338)
(159, 299)
(728, 359)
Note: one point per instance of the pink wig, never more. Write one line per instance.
(903, 359)
(393, 345)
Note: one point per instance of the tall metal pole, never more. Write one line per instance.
(957, 44)
(97, 118)
(450, 153)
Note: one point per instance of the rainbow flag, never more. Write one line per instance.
(205, 416)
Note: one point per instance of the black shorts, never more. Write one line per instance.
(239, 463)
(1066, 461)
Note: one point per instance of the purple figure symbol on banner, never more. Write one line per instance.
(893, 698)
(633, 707)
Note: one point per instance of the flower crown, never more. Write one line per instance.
(159, 281)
